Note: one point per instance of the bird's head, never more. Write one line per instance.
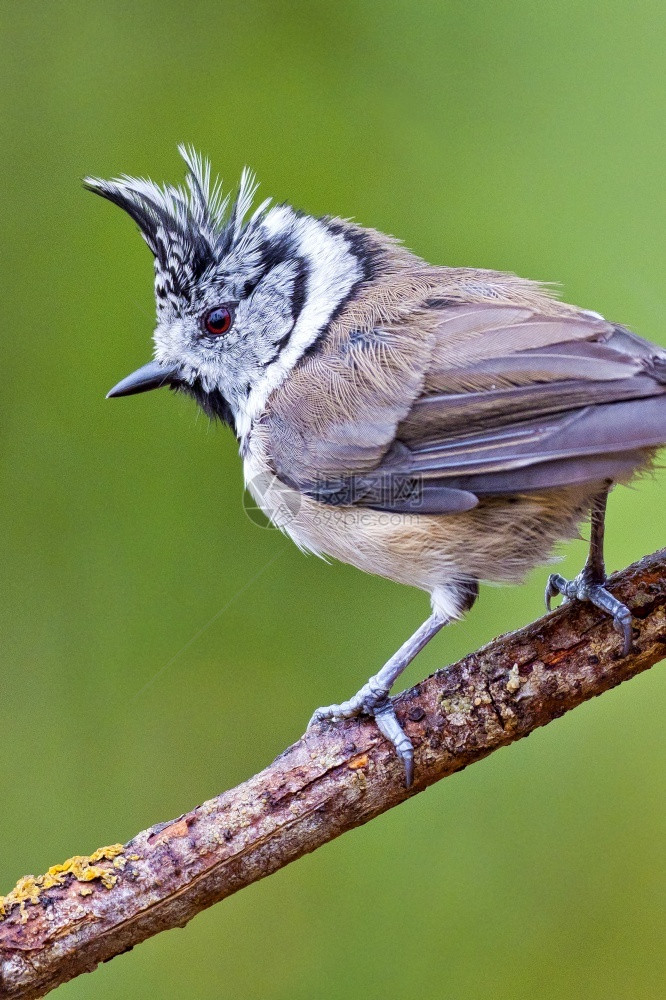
(241, 295)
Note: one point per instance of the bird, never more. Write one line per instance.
(438, 426)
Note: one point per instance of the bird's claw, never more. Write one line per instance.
(551, 592)
(582, 589)
(378, 705)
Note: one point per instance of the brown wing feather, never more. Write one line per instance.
(466, 336)
(440, 417)
(478, 397)
(570, 411)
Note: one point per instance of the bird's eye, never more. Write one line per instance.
(217, 321)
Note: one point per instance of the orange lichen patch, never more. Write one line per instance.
(83, 867)
(177, 829)
(361, 760)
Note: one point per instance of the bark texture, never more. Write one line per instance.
(335, 778)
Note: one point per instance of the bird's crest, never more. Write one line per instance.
(189, 228)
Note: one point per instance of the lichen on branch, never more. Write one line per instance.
(82, 867)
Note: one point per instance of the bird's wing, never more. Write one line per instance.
(499, 399)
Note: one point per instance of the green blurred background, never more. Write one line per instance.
(521, 136)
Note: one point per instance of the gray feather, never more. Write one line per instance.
(594, 430)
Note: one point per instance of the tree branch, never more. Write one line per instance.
(335, 778)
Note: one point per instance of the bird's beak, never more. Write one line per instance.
(150, 376)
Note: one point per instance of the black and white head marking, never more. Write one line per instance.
(283, 274)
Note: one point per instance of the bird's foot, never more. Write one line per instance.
(373, 699)
(584, 588)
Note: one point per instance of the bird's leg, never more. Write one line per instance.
(373, 698)
(589, 584)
